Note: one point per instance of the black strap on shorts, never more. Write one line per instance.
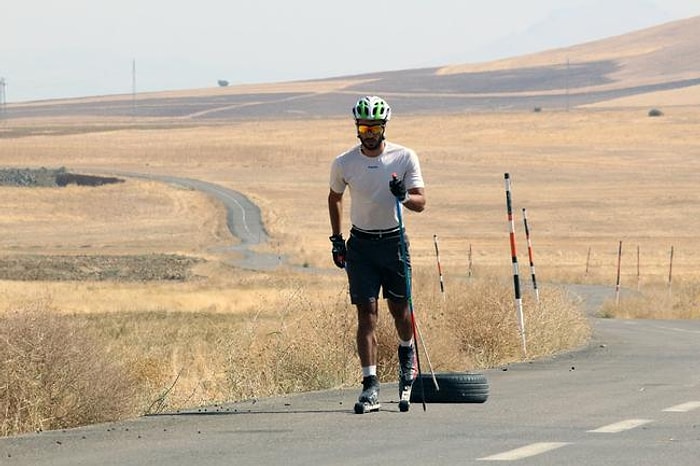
(375, 234)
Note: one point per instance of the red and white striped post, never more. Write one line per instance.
(514, 259)
(439, 267)
(529, 255)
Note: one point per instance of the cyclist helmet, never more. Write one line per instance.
(371, 107)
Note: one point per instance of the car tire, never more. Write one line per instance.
(455, 387)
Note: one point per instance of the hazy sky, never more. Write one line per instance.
(67, 48)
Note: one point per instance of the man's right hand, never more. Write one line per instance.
(339, 250)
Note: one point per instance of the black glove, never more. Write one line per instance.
(339, 250)
(398, 189)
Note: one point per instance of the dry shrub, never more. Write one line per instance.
(478, 319)
(54, 374)
(476, 324)
(656, 301)
(556, 324)
(59, 370)
(685, 298)
(177, 357)
(311, 347)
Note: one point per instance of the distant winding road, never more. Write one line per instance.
(243, 219)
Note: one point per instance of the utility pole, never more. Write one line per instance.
(133, 88)
(3, 96)
(567, 83)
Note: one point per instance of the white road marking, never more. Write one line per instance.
(525, 452)
(676, 329)
(683, 408)
(621, 426)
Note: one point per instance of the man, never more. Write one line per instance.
(372, 256)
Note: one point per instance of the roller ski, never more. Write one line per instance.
(369, 398)
(407, 374)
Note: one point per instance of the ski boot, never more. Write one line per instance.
(407, 374)
(369, 398)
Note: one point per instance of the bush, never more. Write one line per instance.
(53, 375)
(55, 371)
(655, 112)
(311, 348)
(475, 327)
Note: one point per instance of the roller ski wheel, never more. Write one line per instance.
(364, 407)
(404, 397)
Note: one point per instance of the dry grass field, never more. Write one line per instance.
(588, 177)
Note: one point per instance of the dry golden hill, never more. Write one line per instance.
(662, 54)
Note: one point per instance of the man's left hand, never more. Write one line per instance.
(398, 189)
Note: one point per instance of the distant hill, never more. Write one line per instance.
(657, 62)
(572, 23)
(660, 54)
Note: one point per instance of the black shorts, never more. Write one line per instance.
(372, 264)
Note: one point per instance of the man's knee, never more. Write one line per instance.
(398, 307)
(367, 313)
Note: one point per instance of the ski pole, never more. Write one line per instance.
(409, 295)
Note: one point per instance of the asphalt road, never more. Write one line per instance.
(631, 397)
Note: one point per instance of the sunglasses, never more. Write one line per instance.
(374, 130)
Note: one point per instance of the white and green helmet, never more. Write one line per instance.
(371, 107)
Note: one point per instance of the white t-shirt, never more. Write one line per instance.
(373, 207)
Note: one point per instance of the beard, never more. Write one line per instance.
(371, 144)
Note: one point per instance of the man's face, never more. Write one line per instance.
(370, 132)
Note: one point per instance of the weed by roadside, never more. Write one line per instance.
(55, 374)
(656, 301)
(69, 370)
